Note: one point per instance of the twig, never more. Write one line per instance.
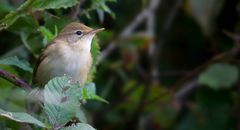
(154, 54)
(186, 90)
(140, 17)
(15, 80)
(76, 11)
(131, 27)
(149, 14)
(165, 28)
(233, 36)
(172, 15)
(187, 87)
(107, 51)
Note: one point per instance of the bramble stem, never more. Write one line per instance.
(15, 80)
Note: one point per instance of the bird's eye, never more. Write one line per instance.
(79, 32)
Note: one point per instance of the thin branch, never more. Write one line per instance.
(77, 10)
(149, 14)
(166, 27)
(131, 27)
(15, 80)
(233, 36)
(188, 87)
(172, 15)
(186, 90)
(140, 17)
(107, 51)
(189, 83)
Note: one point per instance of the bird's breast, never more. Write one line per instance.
(75, 64)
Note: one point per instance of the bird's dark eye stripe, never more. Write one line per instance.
(79, 32)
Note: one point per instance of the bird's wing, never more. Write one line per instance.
(41, 57)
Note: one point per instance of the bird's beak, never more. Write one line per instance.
(96, 31)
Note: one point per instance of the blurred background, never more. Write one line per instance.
(164, 64)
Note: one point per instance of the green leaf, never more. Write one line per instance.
(101, 6)
(89, 92)
(24, 37)
(31, 6)
(16, 62)
(50, 4)
(205, 12)
(58, 105)
(79, 126)
(47, 34)
(98, 98)
(5, 7)
(81, 116)
(11, 17)
(21, 117)
(90, 88)
(62, 100)
(219, 76)
(95, 51)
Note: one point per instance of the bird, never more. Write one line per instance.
(68, 54)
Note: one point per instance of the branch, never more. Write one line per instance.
(131, 27)
(172, 15)
(186, 90)
(189, 83)
(188, 87)
(107, 51)
(76, 10)
(140, 17)
(15, 80)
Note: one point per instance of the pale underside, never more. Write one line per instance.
(61, 59)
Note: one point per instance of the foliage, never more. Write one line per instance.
(21, 117)
(95, 51)
(31, 6)
(167, 66)
(80, 126)
(48, 35)
(16, 62)
(100, 6)
(205, 12)
(219, 76)
(61, 104)
(61, 99)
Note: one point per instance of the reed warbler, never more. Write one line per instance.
(68, 54)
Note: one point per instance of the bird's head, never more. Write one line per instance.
(78, 35)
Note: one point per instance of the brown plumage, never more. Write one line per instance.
(75, 26)
(68, 54)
